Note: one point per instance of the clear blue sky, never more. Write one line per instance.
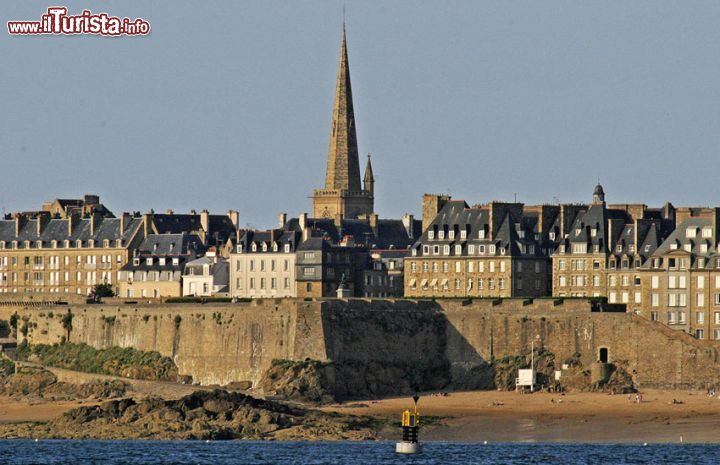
(227, 104)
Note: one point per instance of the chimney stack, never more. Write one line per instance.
(234, 216)
(408, 221)
(205, 221)
(303, 221)
(282, 219)
(124, 221)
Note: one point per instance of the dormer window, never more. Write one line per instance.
(287, 248)
(39, 244)
(161, 261)
(78, 244)
(673, 246)
(254, 247)
(619, 248)
(27, 244)
(14, 244)
(631, 248)
(577, 231)
(707, 232)
(275, 247)
(431, 235)
(491, 248)
(463, 234)
(552, 236)
(690, 232)
(118, 243)
(264, 247)
(502, 250)
(176, 261)
(704, 247)
(688, 247)
(593, 232)
(106, 243)
(149, 261)
(451, 234)
(647, 248)
(91, 243)
(441, 235)
(136, 261)
(521, 234)
(481, 234)
(53, 244)
(2, 244)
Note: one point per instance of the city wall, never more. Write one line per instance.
(383, 344)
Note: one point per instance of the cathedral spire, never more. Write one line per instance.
(343, 166)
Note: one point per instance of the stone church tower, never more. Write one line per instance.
(343, 195)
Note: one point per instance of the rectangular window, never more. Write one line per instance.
(655, 282)
(309, 271)
(700, 317)
(655, 300)
(700, 282)
(653, 316)
(700, 299)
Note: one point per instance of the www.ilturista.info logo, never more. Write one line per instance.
(57, 21)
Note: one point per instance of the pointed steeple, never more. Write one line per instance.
(369, 179)
(343, 166)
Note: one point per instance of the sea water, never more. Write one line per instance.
(21, 452)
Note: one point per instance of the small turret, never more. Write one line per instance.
(369, 180)
(598, 194)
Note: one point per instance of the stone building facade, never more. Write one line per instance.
(604, 246)
(491, 250)
(263, 264)
(42, 255)
(681, 280)
(156, 268)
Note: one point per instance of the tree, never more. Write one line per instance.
(103, 290)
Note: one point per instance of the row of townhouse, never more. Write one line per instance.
(661, 263)
(72, 245)
(314, 257)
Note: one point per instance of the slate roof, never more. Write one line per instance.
(511, 233)
(391, 233)
(278, 236)
(221, 227)
(182, 246)
(57, 229)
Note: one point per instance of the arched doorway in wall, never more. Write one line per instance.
(603, 355)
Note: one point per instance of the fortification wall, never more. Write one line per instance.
(382, 346)
(215, 344)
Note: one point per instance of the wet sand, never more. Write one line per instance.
(543, 417)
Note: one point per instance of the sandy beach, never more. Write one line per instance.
(543, 417)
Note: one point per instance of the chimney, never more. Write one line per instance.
(282, 219)
(303, 221)
(431, 205)
(193, 212)
(408, 221)
(373, 218)
(234, 216)
(147, 218)
(72, 221)
(124, 221)
(42, 220)
(168, 212)
(20, 221)
(91, 199)
(205, 221)
(95, 221)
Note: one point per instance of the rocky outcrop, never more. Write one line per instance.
(309, 381)
(37, 383)
(202, 415)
